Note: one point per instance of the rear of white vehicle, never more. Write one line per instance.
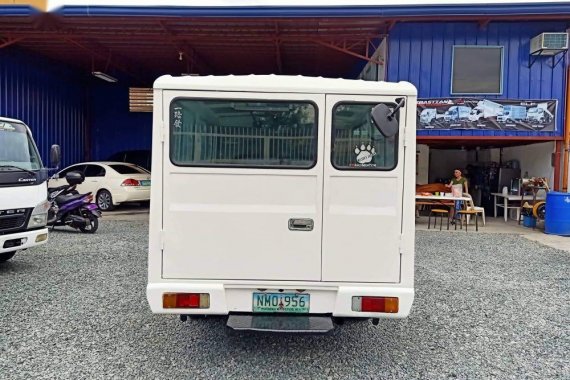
(128, 183)
(277, 201)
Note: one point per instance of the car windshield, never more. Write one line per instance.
(17, 149)
(128, 169)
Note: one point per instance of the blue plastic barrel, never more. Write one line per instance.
(557, 218)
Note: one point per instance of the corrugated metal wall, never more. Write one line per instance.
(114, 128)
(421, 53)
(47, 96)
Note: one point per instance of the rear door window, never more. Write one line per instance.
(243, 133)
(127, 169)
(356, 142)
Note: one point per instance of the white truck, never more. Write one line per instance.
(282, 202)
(428, 115)
(539, 114)
(485, 109)
(23, 189)
(457, 113)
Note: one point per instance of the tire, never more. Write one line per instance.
(93, 224)
(105, 200)
(6, 256)
(539, 210)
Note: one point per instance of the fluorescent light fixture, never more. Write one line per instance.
(105, 77)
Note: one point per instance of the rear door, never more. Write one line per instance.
(363, 184)
(243, 180)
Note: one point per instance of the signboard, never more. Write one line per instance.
(487, 114)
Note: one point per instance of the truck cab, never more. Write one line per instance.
(23, 190)
(281, 199)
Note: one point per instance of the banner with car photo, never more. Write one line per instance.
(486, 114)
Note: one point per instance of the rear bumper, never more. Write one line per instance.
(225, 298)
(132, 194)
(29, 236)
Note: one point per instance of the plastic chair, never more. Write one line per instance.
(471, 207)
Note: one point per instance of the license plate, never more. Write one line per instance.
(145, 182)
(280, 303)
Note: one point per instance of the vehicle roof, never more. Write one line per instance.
(103, 163)
(283, 84)
(11, 120)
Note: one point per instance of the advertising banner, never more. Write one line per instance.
(486, 114)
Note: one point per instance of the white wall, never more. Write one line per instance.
(444, 161)
(534, 159)
(422, 164)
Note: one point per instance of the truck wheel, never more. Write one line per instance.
(105, 200)
(6, 256)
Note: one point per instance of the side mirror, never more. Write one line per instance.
(55, 156)
(384, 120)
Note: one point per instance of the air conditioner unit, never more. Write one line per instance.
(549, 44)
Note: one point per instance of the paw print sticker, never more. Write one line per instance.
(364, 153)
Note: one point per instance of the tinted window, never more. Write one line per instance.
(127, 169)
(357, 144)
(477, 70)
(75, 168)
(245, 133)
(94, 171)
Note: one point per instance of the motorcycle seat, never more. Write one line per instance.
(66, 198)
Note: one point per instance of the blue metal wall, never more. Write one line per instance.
(421, 54)
(114, 128)
(47, 96)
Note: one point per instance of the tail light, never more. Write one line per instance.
(375, 304)
(186, 300)
(130, 182)
(89, 198)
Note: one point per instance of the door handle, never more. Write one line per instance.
(296, 224)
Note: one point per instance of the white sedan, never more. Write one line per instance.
(112, 183)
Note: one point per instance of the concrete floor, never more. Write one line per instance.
(493, 225)
(498, 225)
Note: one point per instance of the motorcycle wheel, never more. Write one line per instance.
(93, 225)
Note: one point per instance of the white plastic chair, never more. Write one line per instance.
(471, 206)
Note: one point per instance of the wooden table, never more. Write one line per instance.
(440, 199)
(508, 198)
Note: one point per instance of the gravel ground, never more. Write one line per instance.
(487, 305)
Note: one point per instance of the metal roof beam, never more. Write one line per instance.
(101, 56)
(10, 41)
(189, 52)
(342, 47)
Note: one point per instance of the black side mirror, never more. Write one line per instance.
(384, 118)
(55, 156)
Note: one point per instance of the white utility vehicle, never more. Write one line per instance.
(23, 189)
(286, 203)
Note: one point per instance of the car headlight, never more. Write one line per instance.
(39, 215)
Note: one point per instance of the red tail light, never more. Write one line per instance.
(130, 182)
(375, 304)
(186, 300)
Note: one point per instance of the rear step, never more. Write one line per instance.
(304, 324)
